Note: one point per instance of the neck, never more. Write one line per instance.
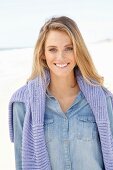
(62, 87)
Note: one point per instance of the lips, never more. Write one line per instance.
(61, 65)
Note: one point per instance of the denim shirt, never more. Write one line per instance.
(72, 137)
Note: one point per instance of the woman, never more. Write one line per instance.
(62, 118)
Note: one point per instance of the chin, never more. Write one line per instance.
(65, 74)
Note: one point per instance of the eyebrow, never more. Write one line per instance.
(56, 46)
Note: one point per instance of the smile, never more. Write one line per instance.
(61, 65)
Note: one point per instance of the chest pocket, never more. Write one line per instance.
(86, 128)
(48, 129)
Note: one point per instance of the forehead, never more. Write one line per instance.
(55, 36)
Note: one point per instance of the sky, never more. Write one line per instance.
(21, 20)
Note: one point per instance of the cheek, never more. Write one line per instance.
(49, 60)
(49, 57)
(74, 57)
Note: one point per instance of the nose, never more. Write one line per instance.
(61, 55)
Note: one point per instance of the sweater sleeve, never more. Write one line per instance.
(20, 95)
(18, 119)
(110, 112)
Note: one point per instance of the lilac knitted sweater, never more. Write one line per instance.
(34, 151)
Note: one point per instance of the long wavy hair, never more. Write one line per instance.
(83, 59)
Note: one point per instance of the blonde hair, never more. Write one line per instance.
(83, 59)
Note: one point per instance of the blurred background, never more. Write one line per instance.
(20, 22)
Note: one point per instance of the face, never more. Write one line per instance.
(59, 53)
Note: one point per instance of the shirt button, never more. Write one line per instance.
(68, 167)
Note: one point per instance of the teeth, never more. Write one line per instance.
(61, 65)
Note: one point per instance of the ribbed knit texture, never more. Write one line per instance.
(34, 151)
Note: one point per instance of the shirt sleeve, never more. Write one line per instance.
(18, 119)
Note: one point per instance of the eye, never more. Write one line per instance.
(69, 49)
(53, 49)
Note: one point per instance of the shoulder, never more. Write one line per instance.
(107, 92)
(20, 95)
(109, 98)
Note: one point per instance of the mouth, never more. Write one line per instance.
(62, 65)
